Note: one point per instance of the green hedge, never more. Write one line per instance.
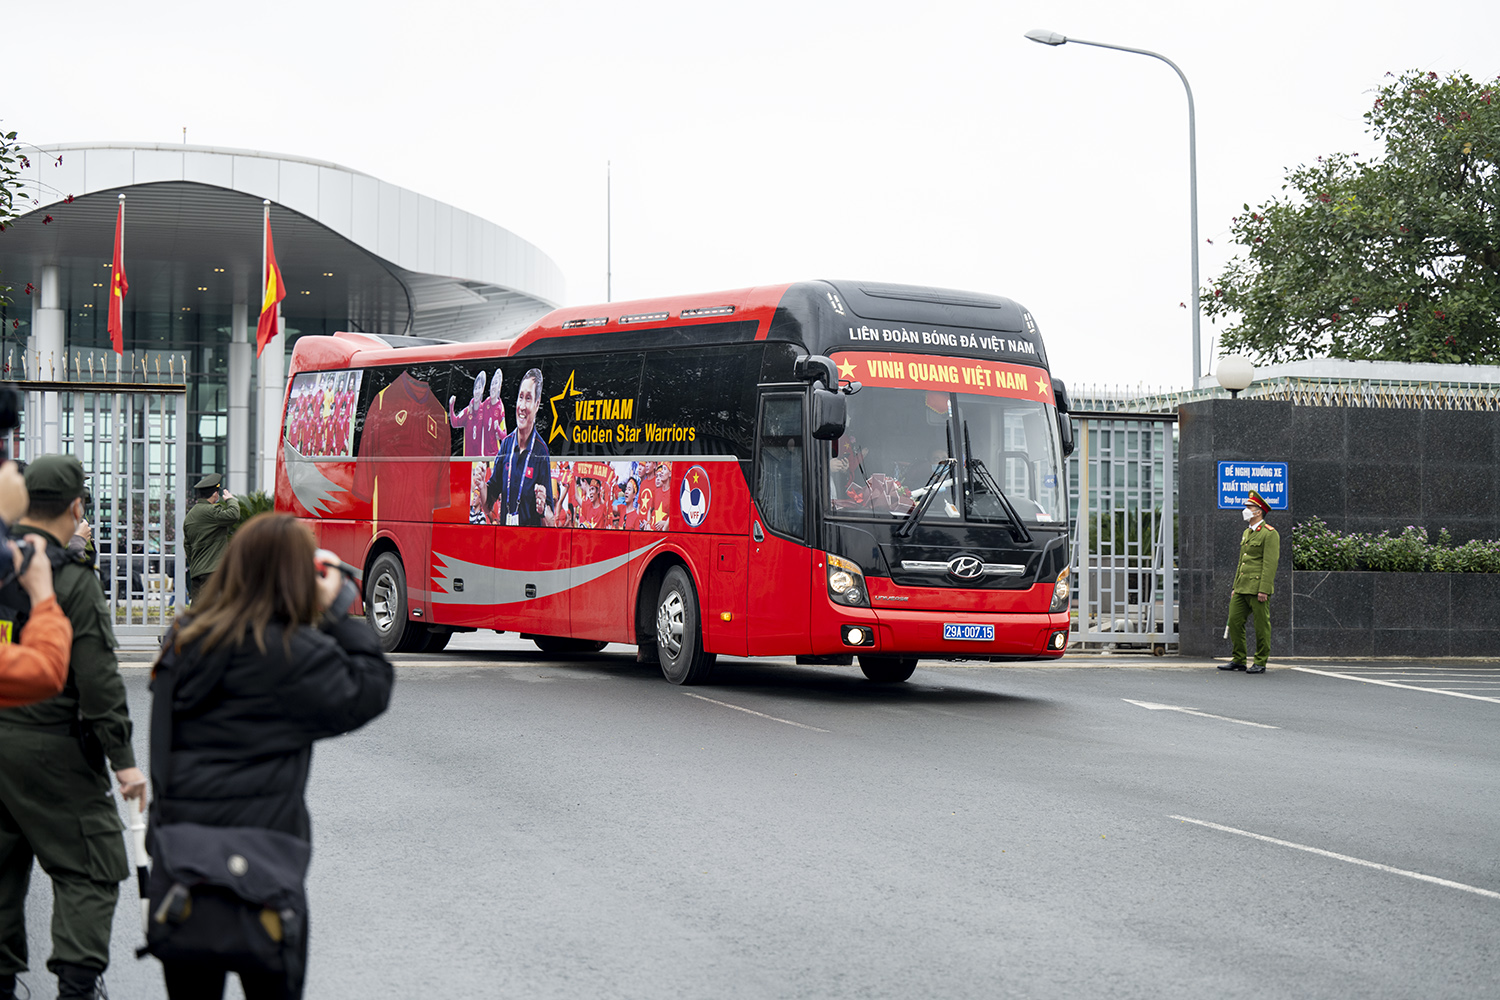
(1316, 546)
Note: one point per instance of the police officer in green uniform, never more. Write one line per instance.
(1254, 582)
(55, 800)
(206, 529)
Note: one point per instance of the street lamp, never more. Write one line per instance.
(1235, 373)
(1046, 37)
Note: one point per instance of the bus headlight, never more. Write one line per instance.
(1061, 592)
(846, 582)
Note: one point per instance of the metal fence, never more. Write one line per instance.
(1123, 498)
(132, 441)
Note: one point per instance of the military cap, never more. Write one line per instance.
(211, 481)
(1259, 501)
(55, 477)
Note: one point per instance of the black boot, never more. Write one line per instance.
(8, 986)
(76, 982)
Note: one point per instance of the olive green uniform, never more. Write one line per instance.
(205, 535)
(1260, 551)
(53, 804)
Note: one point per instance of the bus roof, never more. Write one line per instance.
(797, 309)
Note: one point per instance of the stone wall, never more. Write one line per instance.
(1359, 470)
(1395, 614)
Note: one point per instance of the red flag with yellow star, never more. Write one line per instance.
(118, 286)
(267, 328)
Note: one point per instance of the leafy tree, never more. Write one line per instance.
(11, 164)
(1392, 260)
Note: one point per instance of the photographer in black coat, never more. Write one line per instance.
(267, 663)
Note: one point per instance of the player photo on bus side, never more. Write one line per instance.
(520, 490)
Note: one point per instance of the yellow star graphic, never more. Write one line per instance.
(568, 390)
(846, 369)
(1042, 386)
(661, 512)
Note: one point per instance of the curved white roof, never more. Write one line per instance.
(461, 271)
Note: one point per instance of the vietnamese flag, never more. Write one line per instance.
(267, 329)
(118, 286)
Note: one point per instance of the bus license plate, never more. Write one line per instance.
(976, 633)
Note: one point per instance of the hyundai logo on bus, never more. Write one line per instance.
(965, 567)
(1269, 479)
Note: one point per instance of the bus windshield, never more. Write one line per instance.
(897, 439)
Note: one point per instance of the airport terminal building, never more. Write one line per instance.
(355, 252)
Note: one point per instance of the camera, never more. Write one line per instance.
(323, 559)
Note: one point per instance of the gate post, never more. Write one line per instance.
(178, 488)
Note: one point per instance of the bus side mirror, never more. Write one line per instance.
(1064, 422)
(828, 414)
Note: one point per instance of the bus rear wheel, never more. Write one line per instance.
(385, 604)
(679, 638)
(888, 669)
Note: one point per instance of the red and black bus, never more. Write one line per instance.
(822, 470)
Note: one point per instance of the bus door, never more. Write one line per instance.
(780, 563)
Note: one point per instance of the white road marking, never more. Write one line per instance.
(1408, 687)
(1153, 706)
(752, 711)
(1343, 857)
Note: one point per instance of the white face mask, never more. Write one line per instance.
(1249, 514)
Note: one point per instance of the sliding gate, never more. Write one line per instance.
(132, 440)
(1123, 493)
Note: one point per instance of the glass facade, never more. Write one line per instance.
(162, 342)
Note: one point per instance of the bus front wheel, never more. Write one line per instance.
(888, 669)
(679, 638)
(385, 603)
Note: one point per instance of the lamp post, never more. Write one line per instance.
(1235, 373)
(1053, 38)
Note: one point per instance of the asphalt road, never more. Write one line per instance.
(523, 827)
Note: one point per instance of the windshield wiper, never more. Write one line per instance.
(928, 491)
(1017, 529)
(977, 470)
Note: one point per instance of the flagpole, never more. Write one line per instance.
(609, 233)
(265, 227)
(112, 286)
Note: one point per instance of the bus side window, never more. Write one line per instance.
(779, 487)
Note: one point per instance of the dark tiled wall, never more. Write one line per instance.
(1397, 614)
(1359, 470)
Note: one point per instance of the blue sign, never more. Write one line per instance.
(1269, 479)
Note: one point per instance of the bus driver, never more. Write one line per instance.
(520, 487)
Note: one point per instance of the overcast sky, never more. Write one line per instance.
(759, 143)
